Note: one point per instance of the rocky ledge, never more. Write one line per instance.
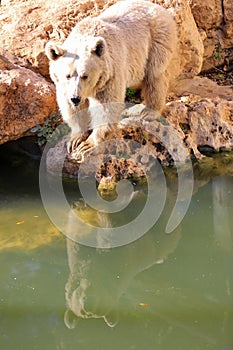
(190, 128)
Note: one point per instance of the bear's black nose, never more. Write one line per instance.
(75, 100)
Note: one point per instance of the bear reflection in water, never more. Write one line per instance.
(99, 278)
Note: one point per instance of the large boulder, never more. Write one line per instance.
(26, 99)
(214, 18)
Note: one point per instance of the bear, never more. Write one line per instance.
(129, 45)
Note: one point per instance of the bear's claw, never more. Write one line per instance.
(85, 147)
(73, 144)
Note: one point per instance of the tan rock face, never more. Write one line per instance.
(205, 123)
(228, 19)
(215, 129)
(228, 10)
(26, 99)
(207, 14)
(191, 48)
(214, 19)
(27, 25)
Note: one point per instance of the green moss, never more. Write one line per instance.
(49, 131)
(133, 96)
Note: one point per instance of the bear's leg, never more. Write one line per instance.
(104, 118)
(79, 123)
(155, 91)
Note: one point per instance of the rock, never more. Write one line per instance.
(215, 22)
(228, 10)
(208, 15)
(27, 25)
(228, 23)
(191, 48)
(203, 87)
(215, 129)
(26, 99)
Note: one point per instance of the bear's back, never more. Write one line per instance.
(137, 18)
(129, 11)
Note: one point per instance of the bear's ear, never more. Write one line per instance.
(99, 47)
(53, 51)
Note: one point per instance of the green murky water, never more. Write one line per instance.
(160, 292)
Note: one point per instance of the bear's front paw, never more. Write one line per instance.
(149, 115)
(85, 147)
(73, 143)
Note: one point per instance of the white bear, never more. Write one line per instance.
(131, 44)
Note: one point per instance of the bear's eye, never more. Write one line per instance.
(84, 77)
(68, 76)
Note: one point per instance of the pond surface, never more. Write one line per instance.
(163, 291)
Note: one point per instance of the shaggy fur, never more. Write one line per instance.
(131, 44)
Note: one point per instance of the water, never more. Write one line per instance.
(160, 292)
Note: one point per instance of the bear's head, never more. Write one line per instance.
(78, 67)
